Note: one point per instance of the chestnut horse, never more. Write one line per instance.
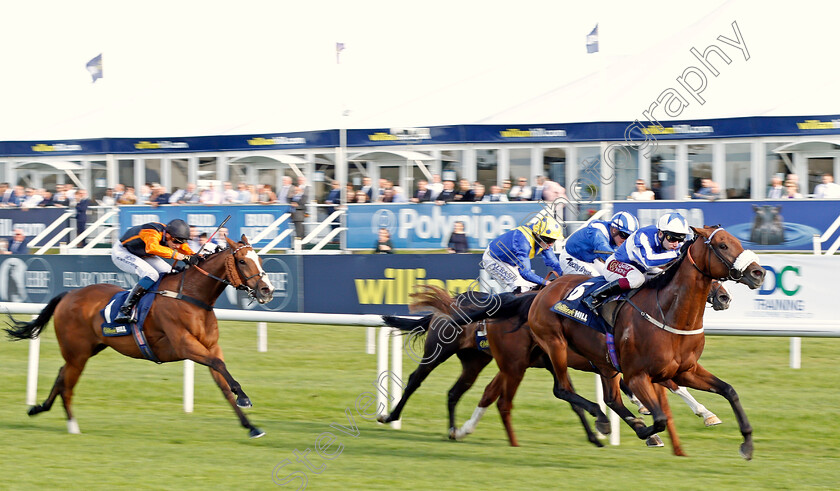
(514, 351)
(180, 325)
(658, 332)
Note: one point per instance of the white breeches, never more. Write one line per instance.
(506, 275)
(616, 269)
(143, 267)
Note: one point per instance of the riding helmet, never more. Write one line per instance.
(178, 229)
(547, 227)
(625, 222)
(674, 223)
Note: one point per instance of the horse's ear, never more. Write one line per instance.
(698, 231)
(231, 243)
(245, 240)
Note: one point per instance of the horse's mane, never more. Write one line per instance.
(665, 278)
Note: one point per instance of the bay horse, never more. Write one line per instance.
(658, 332)
(180, 325)
(514, 351)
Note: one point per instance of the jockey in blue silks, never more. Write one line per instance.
(586, 250)
(508, 257)
(640, 256)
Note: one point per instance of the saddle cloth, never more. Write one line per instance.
(572, 306)
(112, 310)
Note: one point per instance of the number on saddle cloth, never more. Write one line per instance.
(572, 305)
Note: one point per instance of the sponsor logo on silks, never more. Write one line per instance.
(564, 309)
(677, 129)
(816, 124)
(532, 133)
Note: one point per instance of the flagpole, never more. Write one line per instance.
(341, 166)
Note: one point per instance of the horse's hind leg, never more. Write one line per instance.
(672, 428)
(56, 389)
(472, 363)
(417, 377)
(490, 395)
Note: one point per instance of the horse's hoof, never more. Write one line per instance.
(34, 410)
(243, 402)
(453, 434)
(746, 451)
(654, 441)
(644, 411)
(255, 432)
(384, 418)
(603, 427)
(596, 442)
(712, 421)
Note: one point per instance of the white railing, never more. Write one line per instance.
(825, 237)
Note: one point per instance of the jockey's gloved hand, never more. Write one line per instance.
(193, 260)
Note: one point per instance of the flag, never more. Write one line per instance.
(94, 66)
(592, 41)
(339, 47)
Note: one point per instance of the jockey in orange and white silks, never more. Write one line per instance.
(143, 250)
(642, 254)
(508, 257)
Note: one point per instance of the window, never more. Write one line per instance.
(663, 172)
(738, 180)
(625, 159)
(554, 165)
(699, 166)
(520, 165)
(487, 167)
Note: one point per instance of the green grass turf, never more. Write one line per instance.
(136, 435)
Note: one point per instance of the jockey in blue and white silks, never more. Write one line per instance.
(588, 247)
(643, 253)
(508, 257)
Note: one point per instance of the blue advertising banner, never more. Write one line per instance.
(527, 133)
(428, 226)
(245, 219)
(32, 221)
(777, 225)
(37, 279)
(381, 283)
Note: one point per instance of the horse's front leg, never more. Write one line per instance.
(702, 379)
(672, 428)
(189, 348)
(612, 398)
(641, 385)
(253, 431)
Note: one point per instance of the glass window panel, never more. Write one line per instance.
(452, 165)
(487, 164)
(152, 170)
(699, 166)
(180, 173)
(663, 172)
(588, 184)
(554, 165)
(125, 172)
(816, 168)
(626, 162)
(207, 168)
(520, 165)
(737, 170)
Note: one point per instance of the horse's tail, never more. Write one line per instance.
(431, 297)
(501, 306)
(30, 330)
(408, 323)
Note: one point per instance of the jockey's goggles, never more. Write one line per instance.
(623, 235)
(674, 238)
(178, 241)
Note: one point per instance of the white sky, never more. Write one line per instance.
(180, 68)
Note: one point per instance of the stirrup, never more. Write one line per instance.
(123, 318)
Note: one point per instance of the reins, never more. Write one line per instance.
(234, 279)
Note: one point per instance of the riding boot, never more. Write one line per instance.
(596, 298)
(125, 316)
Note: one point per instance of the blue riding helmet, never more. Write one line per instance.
(624, 222)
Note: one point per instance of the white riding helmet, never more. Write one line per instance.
(674, 223)
(624, 222)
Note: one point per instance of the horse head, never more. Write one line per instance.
(244, 270)
(718, 296)
(731, 261)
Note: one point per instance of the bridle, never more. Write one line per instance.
(735, 269)
(233, 275)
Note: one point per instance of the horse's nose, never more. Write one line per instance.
(758, 275)
(724, 299)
